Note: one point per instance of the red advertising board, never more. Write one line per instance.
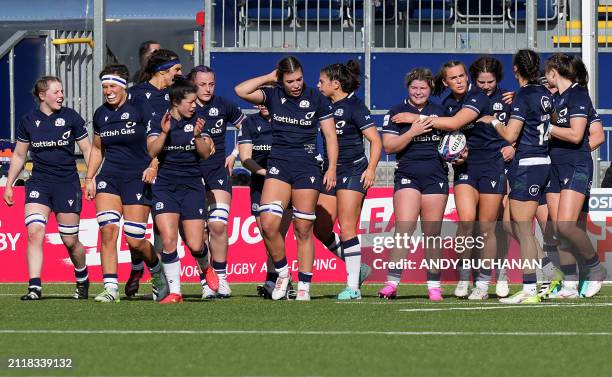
(246, 260)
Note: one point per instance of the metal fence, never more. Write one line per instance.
(437, 25)
(70, 56)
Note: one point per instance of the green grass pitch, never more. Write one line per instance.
(248, 336)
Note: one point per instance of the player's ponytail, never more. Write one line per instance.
(527, 64)
(346, 74)
(160, 60)
(570, 67)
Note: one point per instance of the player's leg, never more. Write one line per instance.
(36, 217)
(136, 218)
(466, 202)
(405, 223)
(275, 197)
(304, 203)
(218, 217)
(432, 215)
(349, 212)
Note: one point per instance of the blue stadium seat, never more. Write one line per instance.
(321, 10)
(267, 10)
(427, 10)
(547, 10)
(479, 10)
(382, 10)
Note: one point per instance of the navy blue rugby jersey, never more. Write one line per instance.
(179, 157)
(483, 141)
(123, 133)
(423, 147)
(573, 103)
(532, 105)
(295, 120)
(352, 117)
(257, 130)
(158, 99)
(52, 138)
(498, 106)
(218, 113)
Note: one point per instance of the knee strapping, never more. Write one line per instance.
(135, 230)
(68, 230)
(275, 208)
(108, 217)
(35, 218)
(218, 212)
(310, 216)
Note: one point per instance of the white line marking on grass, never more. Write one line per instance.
(298, 332)
(519, 306)
(463, 303)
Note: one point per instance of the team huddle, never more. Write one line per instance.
(158, 149)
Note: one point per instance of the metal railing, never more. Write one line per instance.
(433, 25)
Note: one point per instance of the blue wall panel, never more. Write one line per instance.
(29, 66)
(389, 70)
(235, 67)
(5, 131)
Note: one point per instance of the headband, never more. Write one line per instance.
(113, 79)
(167, 65)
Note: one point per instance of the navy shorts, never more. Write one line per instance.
(428, 177)
(299, 172)
(132, 191)
(61, 197)
(216, 178)
(486, 176)
(572, 175)
(348, 177)
(256, 188)
(528, 178)
(187, 198)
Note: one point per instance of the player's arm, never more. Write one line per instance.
(249, 90)
(203, 141)
(246, 156)
(328, 128)
(93, 164)
(17, 161)
(574, 134)
(157, 134)
(85, 147)
(510, 132)
(596, 135)
(369, 175)
(230, 160)
(394, 143)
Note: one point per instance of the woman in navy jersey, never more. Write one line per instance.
(528, 173)
(122, 186)
(421, 177)
(355, 175)
(596, 138)
(480, 182)
(161, 70)
(571, 171)
(487, 72)
(293, 174)
(254, 145)
(178, 192)
(219, 114)
(49, 133)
